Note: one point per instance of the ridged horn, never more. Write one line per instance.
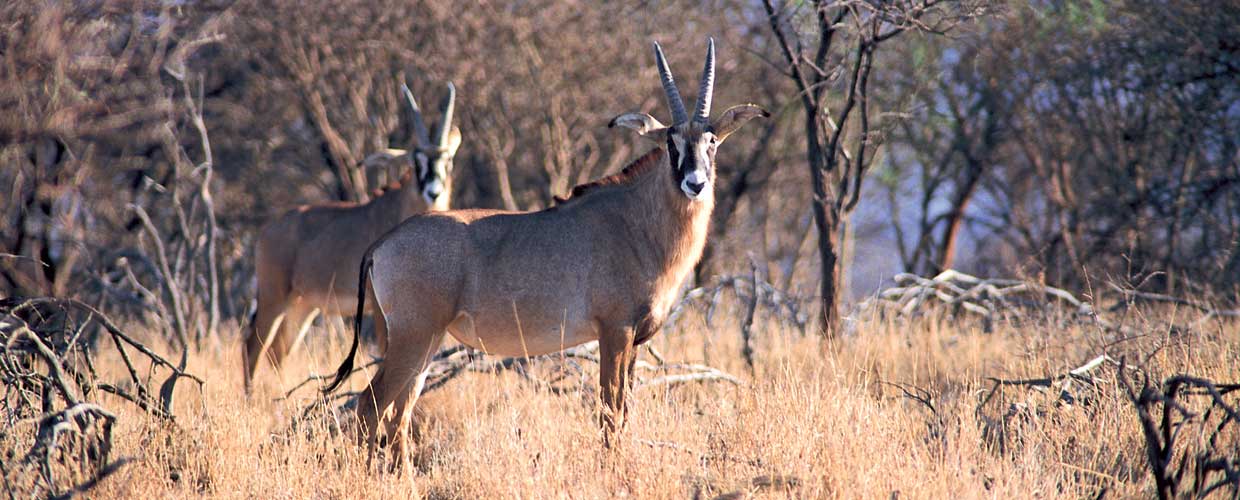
(674, 101)
(419, 127)
(445, 125)
(701, 113)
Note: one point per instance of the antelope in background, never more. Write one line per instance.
(605, 264)
(307, 259)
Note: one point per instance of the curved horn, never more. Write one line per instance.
(445, 125)
(419, 127)
(702, 112)
(669, 87)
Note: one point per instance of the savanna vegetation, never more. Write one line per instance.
(1080, 161)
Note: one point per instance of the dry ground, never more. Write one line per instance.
(833, 418)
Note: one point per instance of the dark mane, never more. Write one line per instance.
(637, 168)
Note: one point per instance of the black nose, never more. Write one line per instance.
(696, 188)
(434, 193)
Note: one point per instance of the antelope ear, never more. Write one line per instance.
(454, 141)
(734, 117)
(645, 125)
(383, 157)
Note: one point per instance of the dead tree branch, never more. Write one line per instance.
(1165, 415)
(47, 374)
(989, 299)
(782, 305)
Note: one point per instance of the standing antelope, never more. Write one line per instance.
(307, 259)
(605, 264)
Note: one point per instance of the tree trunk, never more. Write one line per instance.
(947, 252)
(830, 227)
(955, 219)
(828, 222)
(826, 208)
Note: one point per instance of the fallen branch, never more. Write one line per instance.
(706, 376)
(987, 298)
(1064, 380)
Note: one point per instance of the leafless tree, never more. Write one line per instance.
(829, 47)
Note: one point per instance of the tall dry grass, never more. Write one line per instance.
(820, 421)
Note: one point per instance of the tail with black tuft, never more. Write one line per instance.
(346, 367)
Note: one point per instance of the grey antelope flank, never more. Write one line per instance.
(307, 259)
(604, 264)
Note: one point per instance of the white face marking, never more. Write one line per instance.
(679, 142)
(422, 164)
(698, 175)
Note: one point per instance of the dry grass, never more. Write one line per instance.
(831, 417)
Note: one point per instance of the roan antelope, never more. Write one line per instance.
(605, 264)
(307, 259)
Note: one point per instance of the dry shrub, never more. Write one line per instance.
(54, 376)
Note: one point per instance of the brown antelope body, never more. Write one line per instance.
(307, 259)
(605, 264)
